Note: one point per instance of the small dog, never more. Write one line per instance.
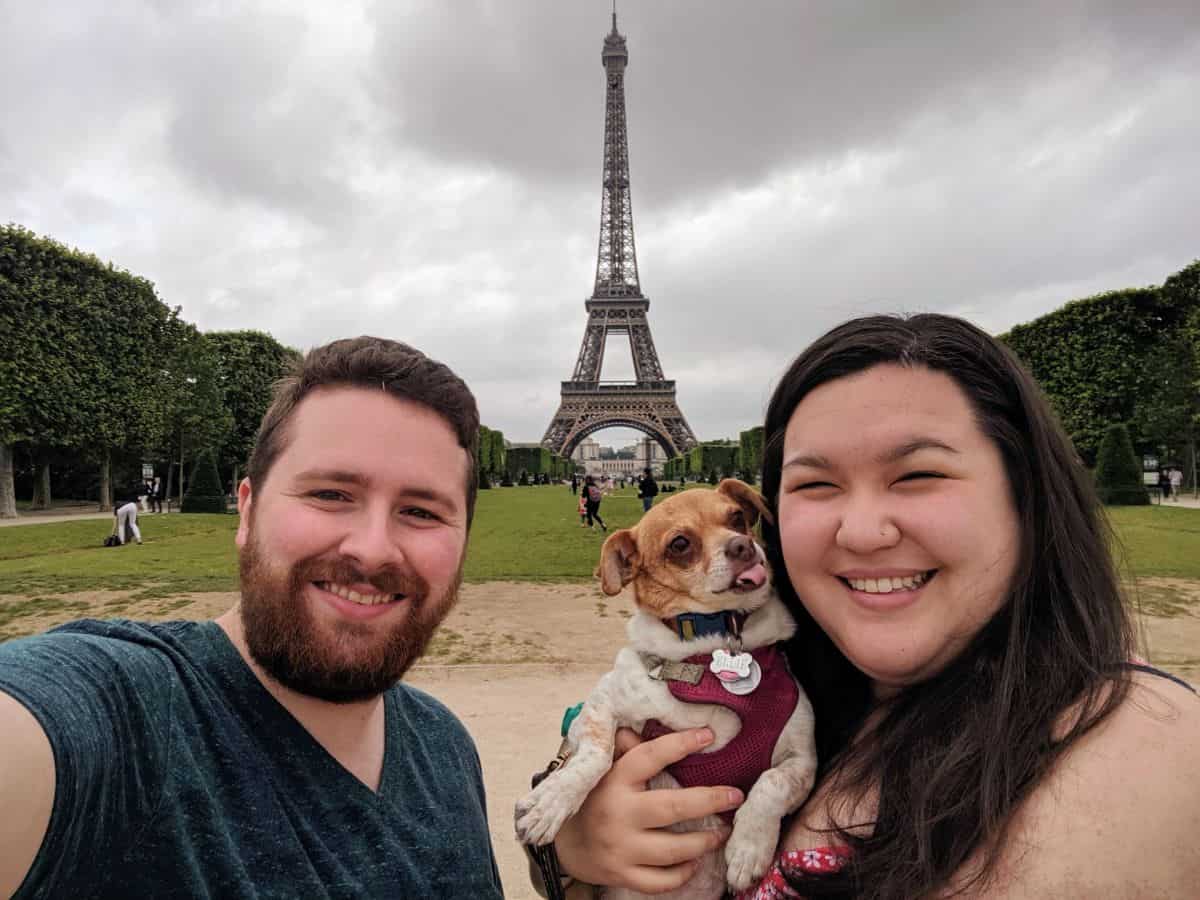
(702, 652)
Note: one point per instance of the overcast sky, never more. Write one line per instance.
(430, 171)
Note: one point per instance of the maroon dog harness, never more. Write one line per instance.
(763, 712)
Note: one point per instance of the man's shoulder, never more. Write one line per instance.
(95, 645)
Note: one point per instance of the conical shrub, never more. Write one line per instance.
(1118, 472)
(204, 494)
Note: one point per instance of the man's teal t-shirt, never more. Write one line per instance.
(179, 775)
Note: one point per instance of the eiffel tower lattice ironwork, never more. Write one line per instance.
(617, 306)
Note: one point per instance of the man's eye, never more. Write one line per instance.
(810, 485)
(419, 513)
(330, 495)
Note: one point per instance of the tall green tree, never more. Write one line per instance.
(249, 364)
(188, 412)
(78, 338)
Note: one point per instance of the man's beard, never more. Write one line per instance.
(342, 661)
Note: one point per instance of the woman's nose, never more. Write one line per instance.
(866, 527)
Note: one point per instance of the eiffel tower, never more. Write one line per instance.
(617, 306)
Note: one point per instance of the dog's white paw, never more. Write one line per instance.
(541, 813)
(748, 853)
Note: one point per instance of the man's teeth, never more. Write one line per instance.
(355, 597)
(887, 585)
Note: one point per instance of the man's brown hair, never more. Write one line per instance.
(374, 363)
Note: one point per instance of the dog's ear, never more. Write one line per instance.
(750, 500)
(618, 561)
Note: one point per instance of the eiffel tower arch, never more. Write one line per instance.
(617, 307)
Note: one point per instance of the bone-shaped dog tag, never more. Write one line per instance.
(738, 673)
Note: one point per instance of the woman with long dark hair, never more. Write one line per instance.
(983, 725)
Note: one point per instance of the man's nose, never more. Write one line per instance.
(372, 541)
(866, 526)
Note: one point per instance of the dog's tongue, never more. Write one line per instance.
(754, 576)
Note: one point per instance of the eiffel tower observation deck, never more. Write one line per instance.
(617, 307)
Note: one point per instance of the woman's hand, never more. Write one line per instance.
(618, 837)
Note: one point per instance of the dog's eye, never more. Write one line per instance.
(737, 521)
(679, 545)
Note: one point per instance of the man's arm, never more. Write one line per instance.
(26, 791)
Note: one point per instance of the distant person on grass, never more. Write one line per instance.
(647, 489)
(592, 496)
(125, 508)
(156, 495)
(274, 751)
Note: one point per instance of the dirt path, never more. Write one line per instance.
(512, 656)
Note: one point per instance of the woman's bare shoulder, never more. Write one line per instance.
(1119, 813)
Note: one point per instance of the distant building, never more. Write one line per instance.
(626, 462)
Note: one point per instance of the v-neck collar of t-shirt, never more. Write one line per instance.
(273, 724)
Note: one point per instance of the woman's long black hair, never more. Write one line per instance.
(953, 756)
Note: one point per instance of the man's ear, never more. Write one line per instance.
(243, 505)
(618, 561)
(750, 500)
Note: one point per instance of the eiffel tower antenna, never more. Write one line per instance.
(617, 306)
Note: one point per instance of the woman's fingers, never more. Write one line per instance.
(647, 759)
(659, 809)
(627, 739)
(663, 849)
(659, 880)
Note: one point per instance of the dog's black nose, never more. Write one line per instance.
(741, 548)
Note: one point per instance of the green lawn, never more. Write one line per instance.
(529, 533)
(1158, 540)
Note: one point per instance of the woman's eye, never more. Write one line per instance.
(916, 476)
(811, 485)
(679, 545)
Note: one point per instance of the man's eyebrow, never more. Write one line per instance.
(340, 476)
(345, 476)
(894, 454)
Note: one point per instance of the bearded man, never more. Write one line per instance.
(273, 752)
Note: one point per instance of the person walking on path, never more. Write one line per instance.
(593, 495)
(125, 508)
(156, 495)
(574, 484)
(1164, 484)
(1176, 483)
(647, 489)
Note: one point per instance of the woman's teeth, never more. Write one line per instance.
(887, 585)
(354, 596)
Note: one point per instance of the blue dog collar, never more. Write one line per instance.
(696, 625)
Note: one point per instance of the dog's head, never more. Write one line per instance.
(694, 552)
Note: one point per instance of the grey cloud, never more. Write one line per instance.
(430, 171)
